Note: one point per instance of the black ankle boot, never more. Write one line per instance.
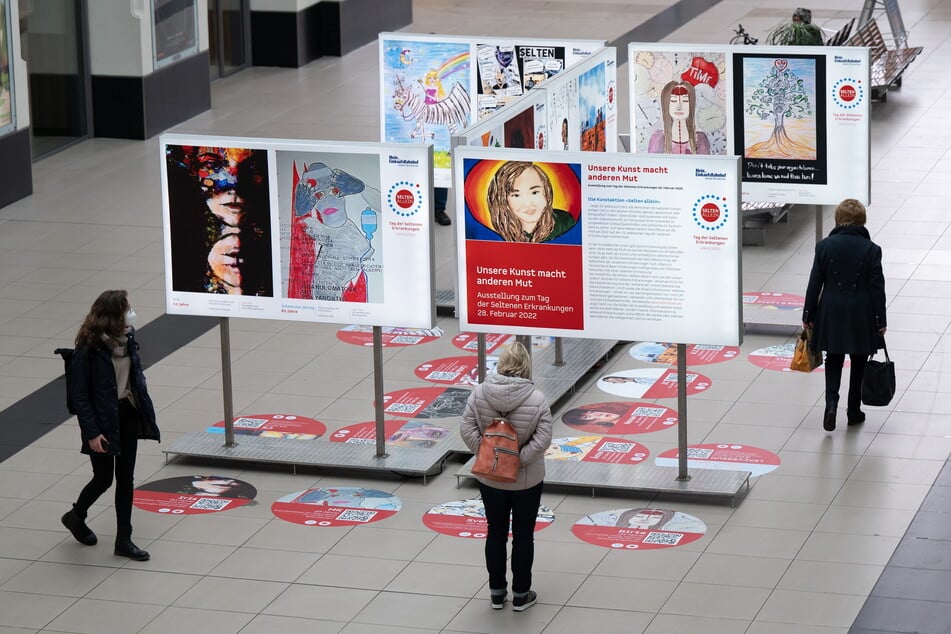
(828, 418)
(125, 548)
(855, 416)
(77, 526)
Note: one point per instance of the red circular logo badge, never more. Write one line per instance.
(847, 93)
(710, 212)
(404, 198)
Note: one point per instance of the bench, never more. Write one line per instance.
(842, 35)
(887, 64)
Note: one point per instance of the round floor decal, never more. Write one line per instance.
(650, 383)
(697, 354)
(274, 426)
(774, 301)
(639, 529)
(339, 506)
(193, 495)
(401, 433)
(392, 337)
(455, 370)
(777, 358)
(466, 518)
(494, 343)
(726, 457)
(426, 402)
(597, 449)
(620, 418)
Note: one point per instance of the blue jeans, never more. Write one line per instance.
(522, 506)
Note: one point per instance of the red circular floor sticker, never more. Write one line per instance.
(426, 402)
(620, 418)
(650, 383)
(639, 529)
(723, 456)
(778, 358)
(274, 426)
(402, 433)
(495, 343)
(697, 354)
(192, 495)
(339, 506)
(363, 336)
(597, 449)
(455, 370)
(774, 301)
(466, 518)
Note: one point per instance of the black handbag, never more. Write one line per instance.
(878, 384)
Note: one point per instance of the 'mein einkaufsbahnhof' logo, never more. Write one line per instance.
(405, 198)
(848, 93)
(710, 212)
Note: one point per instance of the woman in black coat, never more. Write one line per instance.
(845, 306)
(114, 409)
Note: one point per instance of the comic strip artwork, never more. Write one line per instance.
(781, 118)
(592, 89)
(219, 219)
(506, 72)
(679, 101)
(6, 87)
(429, 89)
(329, 214)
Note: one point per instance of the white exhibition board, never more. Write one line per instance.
(434, 86)
(606, 246)
(798, 117)
(298, 230)
(574, 111)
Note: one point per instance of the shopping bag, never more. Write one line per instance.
(878, 384)
(804, 359)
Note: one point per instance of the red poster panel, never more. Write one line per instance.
(193, 495)
(400, 433)
(274, 426)
(620, 418)
(455, 370)
(639, 529)
(392, 337)
(697, 354)
(774, 301)
(597, 449)
(650, 383)
(726, 457)
(495, 343)
(339, 506)
(466, 518)
(426, 402)
(777, 358)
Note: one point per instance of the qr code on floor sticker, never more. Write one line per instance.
(649, 411)
(665, 539)
(618, 447)
(210, 504)
(250, 423)
(361, 441)
(353, 515)
(407, 340)
(443, 376)
(697, 452)
(402, 408)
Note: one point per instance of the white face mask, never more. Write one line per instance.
(129, 319)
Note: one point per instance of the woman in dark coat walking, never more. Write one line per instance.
(845, 306)
(114, 410)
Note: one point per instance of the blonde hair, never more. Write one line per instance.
(850, 212)
(515, 361)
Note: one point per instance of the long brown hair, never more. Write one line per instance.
(106, 317)
(503, 220)
(669, 120)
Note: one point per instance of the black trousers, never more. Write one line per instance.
(522, 506)
(123, 465)
(833, 368)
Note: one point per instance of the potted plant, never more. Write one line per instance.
(800, 32)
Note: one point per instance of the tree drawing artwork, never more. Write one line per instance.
(779, 96)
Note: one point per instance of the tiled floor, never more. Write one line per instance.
(801, 554)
